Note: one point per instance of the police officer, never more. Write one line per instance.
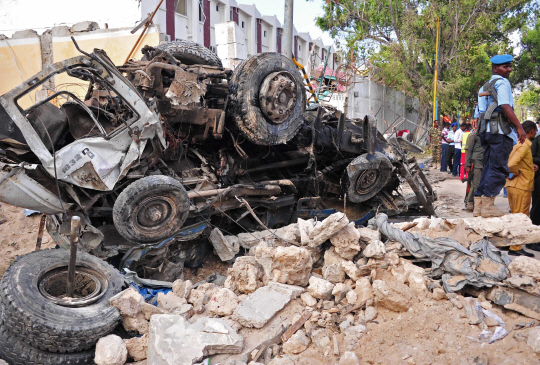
(499, 130)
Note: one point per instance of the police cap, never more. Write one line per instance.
(501, 59)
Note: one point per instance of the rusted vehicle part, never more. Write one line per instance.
(517, 300)
(366, 176)
(190, 53)
(36, 283)
(419, 184)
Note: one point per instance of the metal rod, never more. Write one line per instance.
(74, 238)
(146, 25)
(40, 232)
(288, 30)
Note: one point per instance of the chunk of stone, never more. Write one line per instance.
(534, 339)
(137, 347)
(320, 288)
(520, 281)
(137, 323)
(260, 306)
(291, 265)
(110, 350)
(329, 227)
(298, 343)
(349, 358)
(351, 270)
(370, 313)
(363, 291)
(340, 291)
(245, 276)
(332, 258)
(264, 257)
(305, 227)
(149, 310)
(526, 266)
(392, 295)
(346, 241)
(375, 250)
(173, 340)
(285, 360)
(129, 302)
(225, 247)
(439, 294)
(223, 303)
(417, 283)
(202, 294)
(170, 302)
(293, 291)
(288, 235)
(308, 300)
(182, 288)
(367, 235)
(320, 338)
(334, 273)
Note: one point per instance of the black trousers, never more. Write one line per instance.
(535, 206)
(450, 157)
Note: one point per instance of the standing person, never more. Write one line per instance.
(464, 136)
(444, 146)
(498, 128)
(473, 165)
(521, 184)
(457, 153)
(535, 208)
(451, 148)
(435, 136)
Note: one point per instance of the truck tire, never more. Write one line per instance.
(365, 176)
(267, 99)
(191, 53)
(31, 292)
(16, 352)
(151, 209)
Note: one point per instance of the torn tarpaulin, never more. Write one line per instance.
(481, 266)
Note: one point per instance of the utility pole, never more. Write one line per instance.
(435, 100)
(288, 29)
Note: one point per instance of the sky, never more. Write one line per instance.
(304, 14)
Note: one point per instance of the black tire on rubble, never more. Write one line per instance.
(245, 104)
(365, 176)
(30, 291)
(15, 352)
(191, 53)
(151, 209)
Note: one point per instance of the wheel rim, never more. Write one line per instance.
(277, 96)
(367, 181)
(89, 286)
(154, 213)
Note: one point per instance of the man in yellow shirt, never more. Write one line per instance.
(521, 185)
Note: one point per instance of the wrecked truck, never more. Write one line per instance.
(153, 153)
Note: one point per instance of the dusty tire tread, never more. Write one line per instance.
(191, 52)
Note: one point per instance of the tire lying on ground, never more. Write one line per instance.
(151, 209)
(16, 352)
(267, 99)
(31, 293)
(365, 176)
(191, 53)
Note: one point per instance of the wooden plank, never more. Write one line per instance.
(296, 326)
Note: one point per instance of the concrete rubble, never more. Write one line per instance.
(110, 350)
(327, 306)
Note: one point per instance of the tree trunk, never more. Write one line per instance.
(421, 133)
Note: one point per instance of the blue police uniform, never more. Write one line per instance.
(497, 147)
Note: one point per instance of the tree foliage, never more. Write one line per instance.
(527, 63)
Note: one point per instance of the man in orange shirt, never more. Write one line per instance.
(521, 185)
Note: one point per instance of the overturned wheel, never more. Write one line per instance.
(190, 53)
(151, 209)
(365, 176)
(267, 99)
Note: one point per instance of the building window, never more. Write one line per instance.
(264, 33)
(217, 7)
(181, 7)
(231, 16)
(201, 11)
(299, 47)
(242, 24)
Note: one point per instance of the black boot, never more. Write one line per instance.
(534, 246)
(521, 252)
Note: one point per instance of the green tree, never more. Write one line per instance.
(398, 39)
(527, 63)
(529, 100)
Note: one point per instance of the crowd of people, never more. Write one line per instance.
(494, 153)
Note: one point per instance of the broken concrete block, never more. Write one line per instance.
(351, 270)
(293, 291)
(291, 265)
(331, 257)
(392, 295)
(346, 241)
(86, 26)
(202, 294)
(225, 247)
(110, 350)
(534, 339)
(149, 310)
(367, 235)
(173, 341)
(264, 257)
(375, 250)
(473, 311)
(370, 313)
(260, 306)
(253, 239)
(288, 235)
(137, 323)
(245, 276)
(363, 291)
(170, 302)
(334, 273)
(320, 338)
(308, 300)
(137, 347)
(520, 281)
(223, 303)
(305, 227)
(320, 288)
(526, 266)
(129, 302)
(340, 291)
(182, 288)
(283, 360)
(439, 294)
(417, 283)
(349, 358)
(298, 343)
(329, 227)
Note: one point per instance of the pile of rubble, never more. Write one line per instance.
(294, 298)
